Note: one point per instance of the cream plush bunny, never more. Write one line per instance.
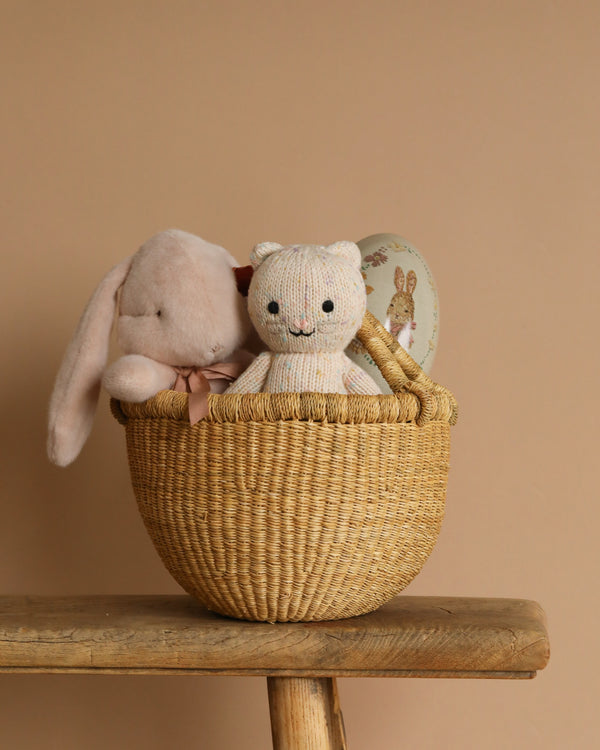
(306, 303)
(179, 311)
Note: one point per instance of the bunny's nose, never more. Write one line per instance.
(301, 324)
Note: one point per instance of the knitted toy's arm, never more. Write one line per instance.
(357, 380)
(253, 379)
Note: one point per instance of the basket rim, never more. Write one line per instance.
(400, 408)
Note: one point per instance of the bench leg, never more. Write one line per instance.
(305, 714)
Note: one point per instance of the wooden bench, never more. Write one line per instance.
(411, 636)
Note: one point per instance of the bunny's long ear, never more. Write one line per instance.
(77, 387)
(399, 279)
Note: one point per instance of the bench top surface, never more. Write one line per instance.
(411, 636)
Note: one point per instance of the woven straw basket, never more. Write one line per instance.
(303, 506)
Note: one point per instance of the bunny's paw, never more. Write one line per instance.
(136, 378)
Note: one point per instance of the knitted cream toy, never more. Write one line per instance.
(307, 303)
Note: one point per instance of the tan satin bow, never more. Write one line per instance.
(195, 381)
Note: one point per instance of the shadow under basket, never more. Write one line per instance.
(296, 506)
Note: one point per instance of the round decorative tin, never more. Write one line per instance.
(401, 293)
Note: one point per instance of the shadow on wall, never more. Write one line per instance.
(73, 530)
(152, 713)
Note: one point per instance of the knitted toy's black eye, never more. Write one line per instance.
(158, 313)
(273, 307)
(327, 305)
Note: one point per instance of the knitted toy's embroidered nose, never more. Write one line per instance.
(301, 324)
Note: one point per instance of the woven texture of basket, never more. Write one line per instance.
(296, 507)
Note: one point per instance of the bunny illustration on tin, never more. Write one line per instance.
(401, 310)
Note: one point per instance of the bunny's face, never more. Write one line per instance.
(180, 306)
(307, 298)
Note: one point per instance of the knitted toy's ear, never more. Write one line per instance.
(348, 250)
(262, 251)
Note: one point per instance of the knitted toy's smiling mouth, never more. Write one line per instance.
(300, 333)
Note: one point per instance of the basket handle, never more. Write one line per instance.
(379, 348)
(400, 370)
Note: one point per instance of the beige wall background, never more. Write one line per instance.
(471, 128)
